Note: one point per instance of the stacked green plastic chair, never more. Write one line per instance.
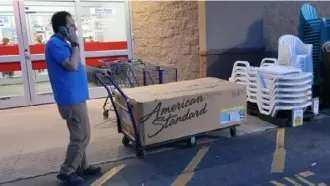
(313, 30)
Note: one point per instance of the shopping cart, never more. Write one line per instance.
(150, 75)
(133, 73)
(109, 64)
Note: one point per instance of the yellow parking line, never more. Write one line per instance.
(108, 175)
(277, 183)
(278, 163)
(188, 172)
(304, 180)
(292, 181)
(306, 174)
(300, 177)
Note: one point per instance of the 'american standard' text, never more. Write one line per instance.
(166, 117)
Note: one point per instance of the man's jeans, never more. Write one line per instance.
(77, 120)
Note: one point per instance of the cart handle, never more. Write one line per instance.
(113, 60)
(129, 106)
(97, 76)
(110, 95)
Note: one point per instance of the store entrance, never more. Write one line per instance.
(25, 27)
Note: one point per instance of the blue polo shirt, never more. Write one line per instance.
(69, 87)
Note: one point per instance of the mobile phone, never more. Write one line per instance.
(63, 30)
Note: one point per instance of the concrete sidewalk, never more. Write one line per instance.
(33, 140)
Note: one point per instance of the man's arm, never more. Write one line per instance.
(72, 62)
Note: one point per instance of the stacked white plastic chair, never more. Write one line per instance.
(243, 73)
(273, 87)
(293, 52)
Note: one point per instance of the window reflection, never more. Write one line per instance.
(103, 28)
(8, 30)
(40, 28)
(104, 23)
(8, 37)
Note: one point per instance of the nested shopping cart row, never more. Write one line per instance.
(134, 73)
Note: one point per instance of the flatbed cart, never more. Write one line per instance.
(135, 140)
(133, 73)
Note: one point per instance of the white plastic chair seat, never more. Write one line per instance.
(288, 95)
(274, 88)
(277, 100)
(272, 110)
(282, 91)
(289, 83)
(297, 106)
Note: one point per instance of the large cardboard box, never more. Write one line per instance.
(174, 110)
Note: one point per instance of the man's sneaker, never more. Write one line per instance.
(72, 178)
(90, 171)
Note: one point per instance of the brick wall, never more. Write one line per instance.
(166, 33)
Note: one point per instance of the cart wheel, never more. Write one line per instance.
(233, 132)
(191, 142)
(106, 114)
(125, 141)
(141, 153)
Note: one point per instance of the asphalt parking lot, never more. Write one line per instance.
(283, 157)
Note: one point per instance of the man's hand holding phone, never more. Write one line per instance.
(72, 36)
(73, 62)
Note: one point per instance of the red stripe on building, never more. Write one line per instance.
(40, 49)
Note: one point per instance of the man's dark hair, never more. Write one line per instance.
(59, 19)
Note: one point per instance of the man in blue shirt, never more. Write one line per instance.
(68, 79)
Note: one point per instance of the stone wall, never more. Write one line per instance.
(166, 33)
(282, 17)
